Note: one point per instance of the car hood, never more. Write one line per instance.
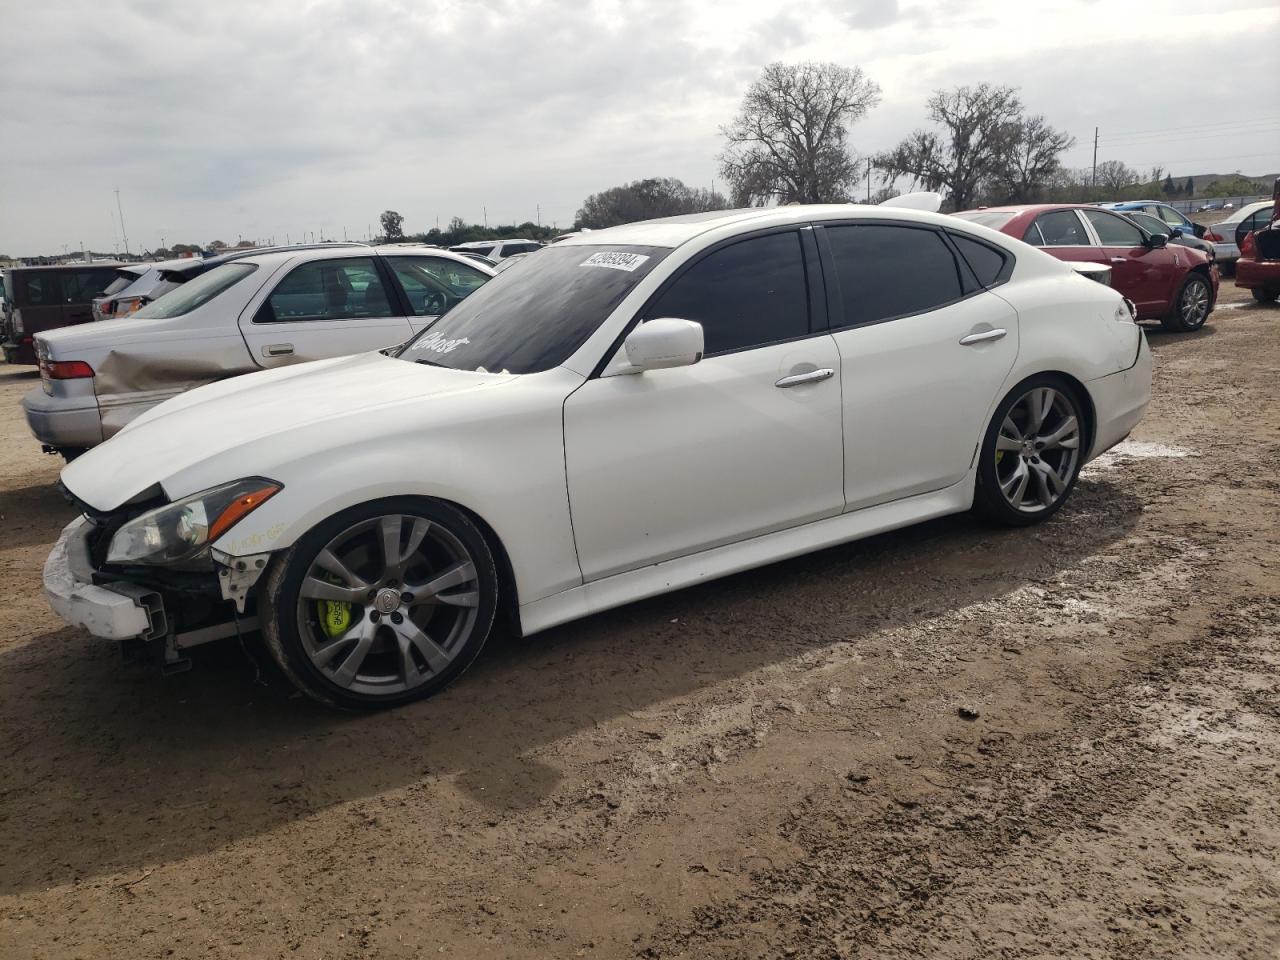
(253, 421)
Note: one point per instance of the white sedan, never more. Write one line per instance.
(632, 411)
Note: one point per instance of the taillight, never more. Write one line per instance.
(1248, 246)
(65, 369)
(1213, 237)
(132, 306)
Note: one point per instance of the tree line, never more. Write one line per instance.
(790, 143)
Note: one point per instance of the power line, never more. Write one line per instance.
(1139, 134)
(1233, 156)
(1187, 137)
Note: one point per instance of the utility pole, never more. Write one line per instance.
(539, 207)
(1094, 179)
(84, 254)
(120, 210)
(486, 217)
(868, 181)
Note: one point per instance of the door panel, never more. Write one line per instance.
(917, 400)
(1143, 274)
(670, 462)
(324, 308)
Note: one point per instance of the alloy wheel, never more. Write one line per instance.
(1037, 449)
(388, 604)
(1193, 308)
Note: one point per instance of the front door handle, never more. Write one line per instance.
(1119, 260)
(277, 350)
(812, 376)
(982, 337)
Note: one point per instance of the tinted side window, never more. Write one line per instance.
(81, 286)
(42, 289)
(745, 295)
(889, 271)
(1172, 216)
(987, 263)
(1112, 231)
(1062, 228)
(328, 290)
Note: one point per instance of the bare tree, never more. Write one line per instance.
(789, 141)
(644, 200)
(1032, 157)
(1114, 177)
(977, 125)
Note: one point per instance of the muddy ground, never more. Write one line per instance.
(944, 742)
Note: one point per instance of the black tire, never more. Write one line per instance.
(293, 643)
(1191, 307)
(995, 471)
(1264, 296)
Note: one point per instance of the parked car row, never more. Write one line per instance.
(1176, 285)
(622, 414)
(249, 312)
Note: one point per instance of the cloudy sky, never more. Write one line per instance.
(228, 119)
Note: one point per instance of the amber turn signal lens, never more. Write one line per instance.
(241, 505)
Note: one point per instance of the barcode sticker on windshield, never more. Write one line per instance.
(615, 261)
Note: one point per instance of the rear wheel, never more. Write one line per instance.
(382, 604)
(1190, 307)
(1031, 454)
(1265, 296)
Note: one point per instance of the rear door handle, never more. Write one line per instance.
(982, 337)
(277, 350)
(812, 376)
(1118, 260)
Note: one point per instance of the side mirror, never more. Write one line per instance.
(1157, 240)
(664, 342)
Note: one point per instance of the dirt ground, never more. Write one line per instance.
(944, 742)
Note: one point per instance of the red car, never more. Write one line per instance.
(1176, 285)
(1258, 269)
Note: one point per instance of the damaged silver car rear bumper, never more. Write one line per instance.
(119, 611)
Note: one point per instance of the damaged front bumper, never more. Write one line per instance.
(116, 611)
(116, 608)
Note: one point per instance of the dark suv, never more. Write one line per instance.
(44, 298)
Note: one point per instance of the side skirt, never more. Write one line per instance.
(669, 575)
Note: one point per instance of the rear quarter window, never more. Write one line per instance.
(989, 265)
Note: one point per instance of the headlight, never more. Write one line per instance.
(1127, 312)
(181, 532)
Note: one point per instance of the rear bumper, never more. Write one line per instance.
(1226, 252)
(1258, 274)
(1120, 400)
(116, 612)
(58, 423)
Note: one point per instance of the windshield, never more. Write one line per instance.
(197, 292)
(533, 318)
(995, 219)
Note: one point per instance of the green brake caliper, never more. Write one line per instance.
(335, 615)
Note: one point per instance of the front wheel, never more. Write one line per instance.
(382, 604)
(1190, 307)
(1031, 454)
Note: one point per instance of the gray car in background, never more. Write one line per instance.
(251, 312)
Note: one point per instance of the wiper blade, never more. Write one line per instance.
(430, 363)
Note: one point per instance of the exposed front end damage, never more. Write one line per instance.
(154, 612)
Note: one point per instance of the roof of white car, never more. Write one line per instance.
(1248, 208)
(274, 258)
(673, 231)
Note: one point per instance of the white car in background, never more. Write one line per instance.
(1225, 235)
(497, 250)
(627, 413)
(251, 313)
